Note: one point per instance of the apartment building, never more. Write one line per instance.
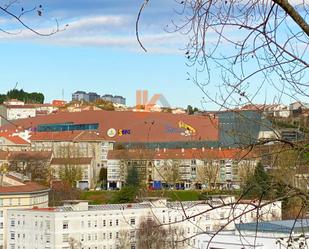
(84, 164)
(15, 109)
(114, 99)
(181, 168)
(13, 142)
(17, 192)
(75, 144)
(79, 225)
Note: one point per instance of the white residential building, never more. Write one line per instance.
(104, 226)
(16, 192)
(15, 109)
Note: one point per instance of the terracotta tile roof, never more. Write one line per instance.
(28, 187)
(25, 187)
(11, 136)
(68, 136)
(15, 139)
(48, 209)
(25, 106)
(236, 154)
(29, 155)
(143, 127)
(72, 161)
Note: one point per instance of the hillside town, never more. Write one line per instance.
(154, 124)
(57, 157)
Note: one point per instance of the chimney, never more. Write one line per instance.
(164, 150)
(182, 150)
(203, 149)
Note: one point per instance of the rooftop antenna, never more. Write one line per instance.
(15, 85)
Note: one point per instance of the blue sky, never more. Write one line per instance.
(98, 52)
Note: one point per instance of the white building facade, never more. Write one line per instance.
(81, 226)
(16, 193)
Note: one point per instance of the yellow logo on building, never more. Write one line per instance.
(189, 130)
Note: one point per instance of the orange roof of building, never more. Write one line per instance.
(29, 155)
(142, 127)
(23, 187)
(72, 161)
(73, 136)
(14, 138)
(236, 154)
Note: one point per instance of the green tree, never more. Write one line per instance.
(190, 110)
(133, 178)
(259, 184)
(34, 97)
(103, 177)
(70, 174)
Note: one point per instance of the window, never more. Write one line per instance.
(110, 235)
(48, 224)
(221, 216)
(12, 223)
(207, 217)
(65, 237)
(132, 221)
(65, 224)
(110, 223)
(104, 223)
(117, 222)
(89, 223)
(47, 239)
(12, 236)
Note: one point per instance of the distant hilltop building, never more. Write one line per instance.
(81, 95)
(91, 97)
(115, 99)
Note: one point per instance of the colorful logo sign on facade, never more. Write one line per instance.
(189, 130)
(182, 129)
(111, 132)
(122, 132)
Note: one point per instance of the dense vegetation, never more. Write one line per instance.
(29, 98)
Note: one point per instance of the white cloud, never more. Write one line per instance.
(104, 31)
